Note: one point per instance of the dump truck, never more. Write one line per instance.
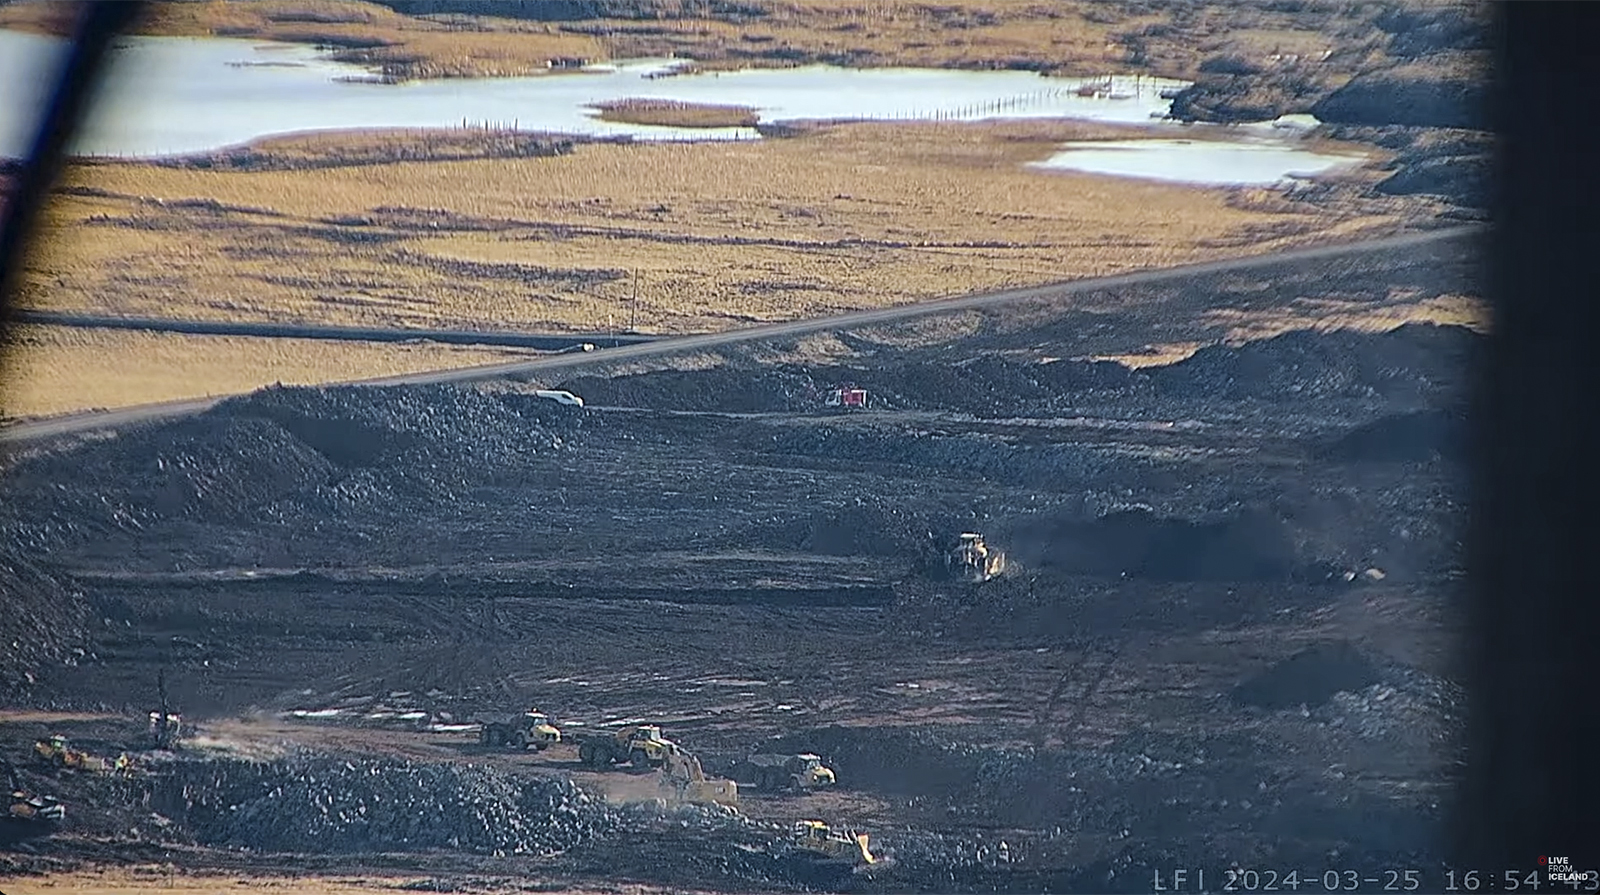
(970, 559)
(640, 745)
(519, 731)
(57, 754)
(795, 773)
(682, 776)
(818, 841)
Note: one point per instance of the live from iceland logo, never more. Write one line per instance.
(1558, 869)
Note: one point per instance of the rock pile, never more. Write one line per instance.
(1413, 362)
(317, 804)
(1407, 702)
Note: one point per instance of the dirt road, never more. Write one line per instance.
(86, 422)
(541, 341)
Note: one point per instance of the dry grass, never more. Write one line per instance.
(51, 370)
(672, 113)
(325, 149)
(708, 236)
(161, 880)
(1074, 37)
(165, 879)
(366, 33)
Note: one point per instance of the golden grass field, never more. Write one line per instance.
(674, 237)
(672, 113)
(51, 370)
(692, 237)
(1072, 37)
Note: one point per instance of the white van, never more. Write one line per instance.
(560, 397)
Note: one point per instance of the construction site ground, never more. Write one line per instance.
(1224, 636)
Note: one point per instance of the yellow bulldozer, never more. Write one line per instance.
(820, 842)
(970, 559)
(682, 776)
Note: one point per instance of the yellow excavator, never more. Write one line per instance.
(682, 776)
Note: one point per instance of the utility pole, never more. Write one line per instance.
(633, 308)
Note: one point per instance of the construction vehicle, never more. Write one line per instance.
(640, 745)
(794, 773)
(519, 731)
(846, 396)
(57, 754)
(682, 776)
(820, 842)
(973, 560)
(164, 729)
(26, 810)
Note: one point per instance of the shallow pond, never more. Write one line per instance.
(1255, 161)
(178, 95)
(171, 95)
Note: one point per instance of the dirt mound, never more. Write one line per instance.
(1406, 437)
(1414, 362)
(1463, 179)
(1310, 677)
(43, 623)
(206, 467)
(363, 427)
(281, 455)
(1137, 543)
(864, 527)
(985, 385)
(726, 390)
(323, 805)
(1419, 94)
(1238, 95)
(988, 385)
